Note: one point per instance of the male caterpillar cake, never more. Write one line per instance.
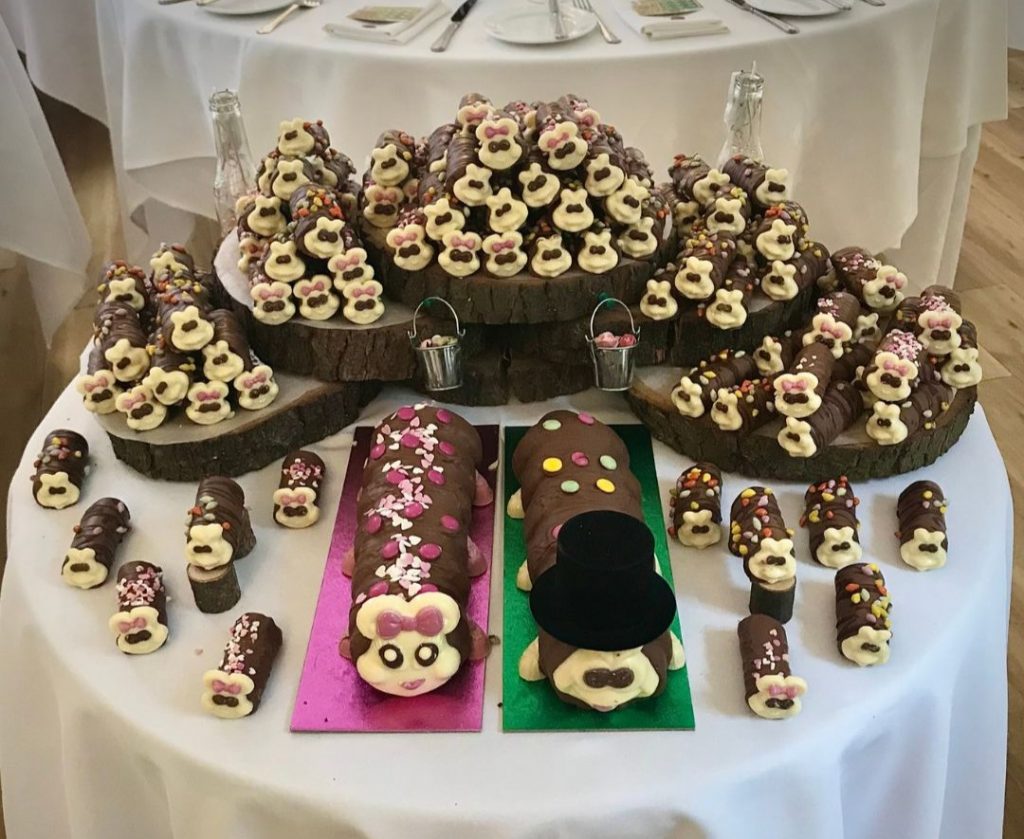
(140, 623)
(830, 516)
(863, 625)
(217, 534)
(696, 502)
(60, 469)
(921, 510)
(235, 688)
(583, 525)
(413, 560)
(772, 691)
(758, 534)
(91, 555)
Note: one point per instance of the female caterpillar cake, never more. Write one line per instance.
(413, 560)
(604, 613)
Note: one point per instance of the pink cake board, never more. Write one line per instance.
(331, 696)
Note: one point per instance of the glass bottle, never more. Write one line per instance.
(236, 174)
(743, 116)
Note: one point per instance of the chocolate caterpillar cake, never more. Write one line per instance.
(296, 501)
(60, 469)
(603, 612)
(863, 625)
(696, 502)
(413, 560)
(921, 510)
(235, 688)
(830, 516)
(140, 624)
(91, 555)
(698, 389)
(772, 691)
(759, 536)
(878, 286)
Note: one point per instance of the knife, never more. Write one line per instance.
(785, 26)
(556, 14)
(441, 44)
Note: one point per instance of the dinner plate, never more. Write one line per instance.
(534, 26)
(795, 8)
(245, 7)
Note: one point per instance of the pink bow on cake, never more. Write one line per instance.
(498, 247)
(90, 386)
(492, 131)
(791, 386)
(832, 330)
(287, 500)
(898, 367)
(557, 140)
(789, 692)
(128, 626)
(340, 263)
(251, 381)
(467, 243)
(401, 238)
(271, 293)
(427, 621)
(225, 687)
(207, 395)
(945, 322)
(131, 401)
(361, 291)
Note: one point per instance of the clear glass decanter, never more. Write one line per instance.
(743, 116)
(236, 174)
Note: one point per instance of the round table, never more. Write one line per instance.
(99, 745)
(876, 111)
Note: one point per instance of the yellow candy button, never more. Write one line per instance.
(605, 485)
(552, 465)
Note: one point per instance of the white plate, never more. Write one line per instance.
(535, 26)
(246, 7)
(793, 8)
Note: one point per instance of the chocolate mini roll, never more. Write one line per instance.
(289, 174)
(182, 314)
(140, 623)
(703, 263)
(921, 511)
(962, 368)
(851, 365)
(834, 322)
(234, 689)
(171, 373)
(893, 373)
(863, 625)
(637, 166)
(437, 148)
(558, 136)
(60, 469)
(335, 169)
(296, 501)
(784, 280)
(830, 516)
(98, 384)
(781, 231)
(260, 216)
(776, 353)
(473, 107)
(87, 562)
(772, 691)
(319, 223)
(228, 354)
(118, 330)
(392, 158)
(934, 318)
(698, 389)
(893, 422)
(877, 286)
(799, 391)
(758, 534)
(170, 260)
(728, 308)
(214, 590)
(728, 213)
(696, 503)
(218, 529)
(840, 407)
(501, 147)
(765, 186)
(695, 180)
(605, 167)
(124, 283)
(744, 407)
(302, 137)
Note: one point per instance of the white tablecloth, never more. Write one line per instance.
(871, 109)
(98, 745)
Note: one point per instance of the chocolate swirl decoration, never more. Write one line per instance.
(125, 284)
(412, 560)
(863, 607)
(171, 373)
(297, 499)
(91, 555)
(962, 368)
(893, 422)
(703, 263)
(234, 689)
(834, 322)
(60, 469)
(119, 332)
(728, 308)
(781, 232)
(98, 384)
(895, 369)
(877, 286)
(784, 280)
(764, 186)
(830, 516)
(771, 689)
(841, 406)
(140, 624)
(744, 407)
(218, 530)
(696, 502)
(799, 391)
(698, 389)
(228, 354)
(934, 318)
(921, 510)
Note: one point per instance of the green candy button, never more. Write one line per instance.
(570, 487)
(551, 425)
(608, 462)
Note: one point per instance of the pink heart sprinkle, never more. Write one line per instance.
(406, 412)
(435, 477)
(450, 523)
(443, 416)
(414, 510)
(390, 550)
(446, 448)
(377, 452)
(430, 551)
(580, 459)
(396, 476)
(410, 440)
(585, 418)
(373, 524)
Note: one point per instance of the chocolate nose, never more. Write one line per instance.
(891, 379)
(775, 560)
(388, 164)
(842, 546)
(940, 334)
(871, 648)
(79, 567)
(887, 291)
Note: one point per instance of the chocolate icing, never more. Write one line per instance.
(60, 469)
(862, 613)
(922, 505)
(800, 389)
(725, 369)
(752, 399)
(809, 263)
(97, 535)
(141, 584)
(221, 501)
(716, 249)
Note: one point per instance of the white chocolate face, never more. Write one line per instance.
(208, 403)
(316, 299)
(539, 187)
(324, 240)
(363, 304)
(726, 215)
(925, 550)
(603, 176)
(272, 302)
(168, 386)
(350, 266)
(795, 394)
(686, 397)
(725, 412)
(220, 363)
(826, 330)
(293, 138)
(625, 205)
(774, 188)
(693, 279)
(206, 546)
(56, 491)
(138, 631)
(141, 409)
(505, 254)
(776, 243)
(226, 695)
(564, 148)
(658, 302)
(773, 561)
(190, 330)
(99, 391)
(381, 205)
(167, 262)
(597, 255)
(505, 212)
(795, 437)
(780, 282)
(296, 507)
(962, 368)
(410, 247)
(250, 250)
(81, 569)
(125, 291)
(868, 647)
(885, 291)
(684, 215)
(499, 148)
(283, 262)
(708, 188)
(256, 388)
(939, 333)
(266, 218)
(866, 331)
(322, 172)
(473, 188)
(768, 356)
(388, 165)
(892, 377)
(128, 363)
(473, 113)
(727, 310)
(550, 257)
(698, 530)
(839, 547)
(460, 256)
(443, 218)
(631, 669)
(778, 696)
(289, 175)
(405, 662)
(269, 167)
(638, 240)
(885, 426)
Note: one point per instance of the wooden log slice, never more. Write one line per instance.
(215, 590)
(179, 450)
(854, 454)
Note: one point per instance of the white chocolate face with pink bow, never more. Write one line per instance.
(141, 409)
(316, 299)
(409, 652)
(460, 255)
(256, 388)
(411, 249)
(99, 391)
(505, 254)
(563, 145)
(208, 403)
(350, 266)
(777, 696)
(296, 507)
(138, 630)
(272, 302)
(885, 290)
(381, 205)
(499, 145)
(825, 329)
(362, 301)
(231, 686)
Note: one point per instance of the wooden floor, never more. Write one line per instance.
(990, 279)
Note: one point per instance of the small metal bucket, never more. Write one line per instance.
(441, 366)
(613, 366)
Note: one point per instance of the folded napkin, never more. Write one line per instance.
(659, 28)
(389, 33)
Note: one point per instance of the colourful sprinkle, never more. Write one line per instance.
(414, 510)
(551, 425)
(406, 413)
(551, 465)
(450, 523)
(580, 459)
(446, 448)
(443, 416)
(585, 418)
(373, 524)
(377, 452)
(430, 551)
(608, 462)
(605, 485)
(390, 550)
(435, 477)
(570, 487)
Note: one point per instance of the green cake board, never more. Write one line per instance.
(533, 706)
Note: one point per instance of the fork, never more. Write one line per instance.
(281, 18)
(609, 36)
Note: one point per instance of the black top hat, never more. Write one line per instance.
(603, 593)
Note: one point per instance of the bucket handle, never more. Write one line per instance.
(632, 325)
(458, 332)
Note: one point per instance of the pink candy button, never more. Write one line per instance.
(580, 459)
(410, 440)
(414, 510)
(446, 448)
(377, 589)
(390, 550)
(396, 476)
(436, 477)
(430, 551)
(373, 524)
(443, 416)
(406, 412)
(450, 523)
(377, 452)
(427, 587)
(585, 418)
